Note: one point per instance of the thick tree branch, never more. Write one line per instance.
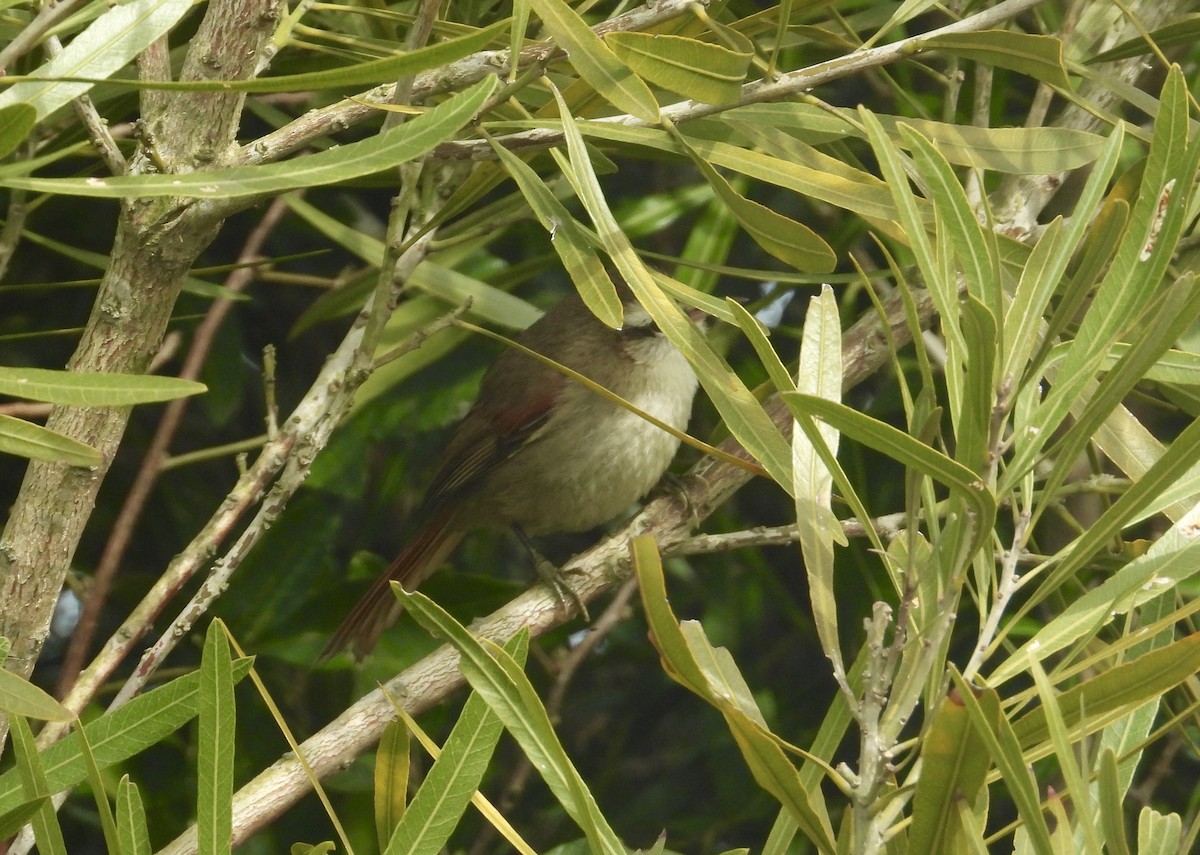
(157, 240)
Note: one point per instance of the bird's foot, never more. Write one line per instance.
(556, 580)
(676, 487)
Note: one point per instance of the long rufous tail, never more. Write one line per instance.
(429, 547)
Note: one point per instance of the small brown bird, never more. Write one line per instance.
(541, 453)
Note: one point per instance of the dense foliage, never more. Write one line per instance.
(930, 598)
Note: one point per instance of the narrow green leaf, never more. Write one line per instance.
(942, 288)
(93, 389)
(108, 823)
(900, 446)
(18, 817)
(1117, 691)
(131, 819)
(820, 177)
(1140, 580)
(1025, 314)
(994, 729)
(756, 335)
(105, 47)
(1112, 805)
(1158, 832)
(974, 247)
(438, 805)
(682, 650)
(392, 764)
(20, 697)
(214, 765)
(791, 242)
(819, 373)
(708, 73)
(722, 678)
(743, 414)
(101, 260)
(1039, 57)
(369, 73)
(118, 735)
(498, 678)
(46, 830)
(571, 241)
(973, 425)
(665, 633)
(595, 61)
(954, 766)
(16, 121)
(26, 439)
(384, 151)
(1184, 32)
(1084, 824)
(1010, 151)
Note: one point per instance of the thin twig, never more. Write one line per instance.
(888, 527)
(31, 33)
(14, 221)
(305, 434)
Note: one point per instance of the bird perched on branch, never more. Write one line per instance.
(540, 452)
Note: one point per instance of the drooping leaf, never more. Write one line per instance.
(1040, 57)
(498, 678)
(595, 61)
(20, 697)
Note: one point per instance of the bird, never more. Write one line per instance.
(541, 453)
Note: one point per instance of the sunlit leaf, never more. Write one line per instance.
(595, 61)
(704, 72)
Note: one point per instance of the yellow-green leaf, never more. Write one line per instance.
(1040, 57)
(704, 72)
(791, 242)
(21, 697)
(93, 389)
(391, 780)
(595, 61)
(16, 121)
(26, 439)
(954, 765)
